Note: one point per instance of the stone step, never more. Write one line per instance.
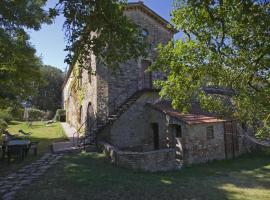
(63, 147)
(90, 148)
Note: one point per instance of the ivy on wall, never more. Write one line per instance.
(77, 92)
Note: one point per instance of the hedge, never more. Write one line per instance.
(3, 126)
(60, 115)
(5, 115)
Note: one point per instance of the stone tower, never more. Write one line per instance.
(105, 91)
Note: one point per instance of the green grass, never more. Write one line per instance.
(46, 135)
(89, 176)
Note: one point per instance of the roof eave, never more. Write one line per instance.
(153, 14)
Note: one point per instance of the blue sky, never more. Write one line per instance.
(50, 41)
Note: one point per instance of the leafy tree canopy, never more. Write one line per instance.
(99, 27)
(49, 92)
(226, 46)
(19, 67)
(91, 26)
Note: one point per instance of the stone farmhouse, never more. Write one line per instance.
(124, 116)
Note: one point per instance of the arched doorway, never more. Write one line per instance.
(90, 118)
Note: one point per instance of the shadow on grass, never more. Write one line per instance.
(44, 146)
(90, 175)
(14, 123)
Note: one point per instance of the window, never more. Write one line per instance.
(80, 78)
(210, 132)
(178, 131)
(145, 33)
(90, 75)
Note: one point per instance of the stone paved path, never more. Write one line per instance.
(70, 145)
(26, 175)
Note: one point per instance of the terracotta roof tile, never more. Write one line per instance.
(196, 115)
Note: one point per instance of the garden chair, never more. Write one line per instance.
(15, 150)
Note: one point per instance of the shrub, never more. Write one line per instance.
(5, 115)
(16, 112)
(60, 115)
(36, 115)
(49, 115)
(3, 126)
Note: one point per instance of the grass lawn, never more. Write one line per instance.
(46, 135)
(89, 176)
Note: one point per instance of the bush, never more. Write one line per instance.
(16, 112)
(5, 115)
(36, 115)
(49, 115)
(60, 115)
(3, 126)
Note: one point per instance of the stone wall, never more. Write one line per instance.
(152, 161)
(199, 149)
(106, 90)
(196, 147)
(129, 130)
(88, 89)
(126, 80)
(89, 86)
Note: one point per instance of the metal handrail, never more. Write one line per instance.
(114, 105)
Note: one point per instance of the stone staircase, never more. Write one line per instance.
(90, 139)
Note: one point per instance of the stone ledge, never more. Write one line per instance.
(152, 161)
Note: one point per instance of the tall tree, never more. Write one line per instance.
(100, 27)
(49, 92)
(96, 26)
(19, 67)
(226, 46)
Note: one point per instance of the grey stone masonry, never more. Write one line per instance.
(104, 90)
(151, 161)
(24, 177)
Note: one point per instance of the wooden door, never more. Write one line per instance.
(230, 139)
(155, 135)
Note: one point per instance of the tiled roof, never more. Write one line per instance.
(196, 115)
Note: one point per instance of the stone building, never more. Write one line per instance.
(123, 114)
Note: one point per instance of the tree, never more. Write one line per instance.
(101, 28)
(226, 46)
(49, 92)
(91, 26)
(19, 67)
